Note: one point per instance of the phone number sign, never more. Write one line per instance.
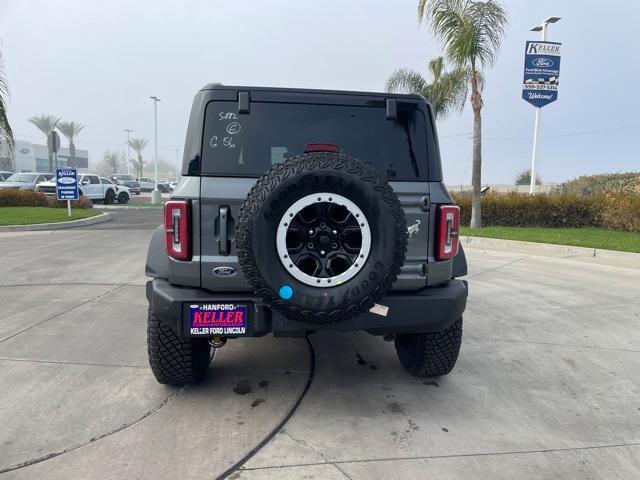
(67, 184)
(541, 73)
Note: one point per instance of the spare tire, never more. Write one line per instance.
(321, 237)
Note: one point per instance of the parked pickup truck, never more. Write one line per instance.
(126, 180)
(146, 184)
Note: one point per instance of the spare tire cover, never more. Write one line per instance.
(321, 237)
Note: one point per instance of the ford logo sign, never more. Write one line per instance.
(224, 271)
(542, 62)
(24, 150)
(66, 180)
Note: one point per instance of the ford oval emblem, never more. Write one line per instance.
(224, 271)
(66, 180)
(24, 150)
(542, 62)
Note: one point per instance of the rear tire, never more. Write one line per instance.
(175, 360)
(430, 354)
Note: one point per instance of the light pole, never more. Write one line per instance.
(128, 130)
(156, 196)
(539, 28)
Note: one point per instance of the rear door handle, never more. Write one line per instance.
(223, 241)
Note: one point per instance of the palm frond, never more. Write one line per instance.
(470, 30)
(405, 80)
(7, 141)
(490, 21)
(138, 144)
(112, 160)
(70, 129)
(6, 133)
(45, 123)
(436, 67)
(455, 87)
(445, 90)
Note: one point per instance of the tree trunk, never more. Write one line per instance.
(140, 166)
(50, 161)
(476, 175)
(72, 154)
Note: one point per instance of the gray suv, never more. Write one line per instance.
(301, 210)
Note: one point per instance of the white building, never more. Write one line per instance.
(31, 157)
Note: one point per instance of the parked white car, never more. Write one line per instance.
(26, 181)
(95, 188)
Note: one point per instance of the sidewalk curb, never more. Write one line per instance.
(629, 259)
(83, 222)
(125, 207)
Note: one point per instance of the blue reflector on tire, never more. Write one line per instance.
(286, 292)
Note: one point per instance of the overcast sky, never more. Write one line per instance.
(98, 62)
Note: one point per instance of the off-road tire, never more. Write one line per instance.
(430, 354)
(123, 198)
(276, 191)
(175, 360)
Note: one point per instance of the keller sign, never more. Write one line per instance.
(541, 73)
(67, 184)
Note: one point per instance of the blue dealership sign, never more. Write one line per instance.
(67, 184)
(541, 73)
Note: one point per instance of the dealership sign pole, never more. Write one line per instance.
(541, 81)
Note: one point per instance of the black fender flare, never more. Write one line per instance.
(459, 267)
(157, 265)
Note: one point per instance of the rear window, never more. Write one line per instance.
(249, 144)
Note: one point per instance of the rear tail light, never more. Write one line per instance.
(177, 231)
(447, 231)
(321, 147)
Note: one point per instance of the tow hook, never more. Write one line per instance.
(217, 341)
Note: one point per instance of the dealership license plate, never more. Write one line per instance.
(218, 319)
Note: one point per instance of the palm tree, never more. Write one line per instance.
(6, 134)
(70, 130)
(138, 145)
(46, 124)
(112, 161)
(446, 92)
(471, 31)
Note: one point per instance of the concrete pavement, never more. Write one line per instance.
(546, 385)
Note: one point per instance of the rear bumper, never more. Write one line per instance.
(428, 310)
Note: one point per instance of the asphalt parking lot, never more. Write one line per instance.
(547, 384)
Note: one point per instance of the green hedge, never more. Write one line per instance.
(621, 212)
(10, 197)
(618, 212)
(607, 183)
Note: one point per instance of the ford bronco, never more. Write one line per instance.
(300, 210)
